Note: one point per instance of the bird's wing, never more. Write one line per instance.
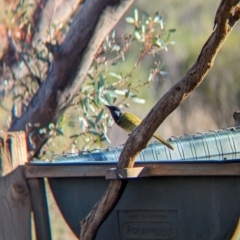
(128, 121)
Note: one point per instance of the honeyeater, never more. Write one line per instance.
(129, 121)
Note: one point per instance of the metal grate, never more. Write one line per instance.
(218, 145)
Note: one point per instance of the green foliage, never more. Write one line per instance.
(105, 87)
(85, 124)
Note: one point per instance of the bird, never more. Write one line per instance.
(128, 122)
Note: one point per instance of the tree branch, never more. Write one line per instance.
(69, 68)
(181, 90)
(226, 17)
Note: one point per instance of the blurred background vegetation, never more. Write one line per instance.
(209, 107)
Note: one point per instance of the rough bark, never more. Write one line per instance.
(69, 68)
(226, 17)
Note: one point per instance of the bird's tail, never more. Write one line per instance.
(163, 141)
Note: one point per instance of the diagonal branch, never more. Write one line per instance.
(227, 16)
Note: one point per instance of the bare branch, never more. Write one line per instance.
(181, 90)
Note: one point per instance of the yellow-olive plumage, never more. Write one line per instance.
(129, 121)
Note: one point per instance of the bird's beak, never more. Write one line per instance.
(107, 106)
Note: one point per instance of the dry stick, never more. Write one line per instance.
(227, 15)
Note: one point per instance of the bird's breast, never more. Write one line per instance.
(128, 121)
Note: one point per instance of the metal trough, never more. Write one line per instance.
(190, 193)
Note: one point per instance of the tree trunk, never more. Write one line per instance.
(93, 21)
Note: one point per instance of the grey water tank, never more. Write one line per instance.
(159, 207)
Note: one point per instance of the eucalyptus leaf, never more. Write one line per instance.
(161, 23)
(95, 86)
(115, 75)
(59, 131)
(96, 101)
(91, 123)
(165, 48)
(86, 103)
(159, 42)
(111, 93)
(99, 117)
(120, 92)
(95, 133)
(83, 124)
(104, 137)
(129, 20)
(74, 136)
(138, 35)
(113, 34)
(156, 18)
(83, 120)
(136, 15)
(164, 73)
(108, 98)
(91, 107)
(150, 76)
(138, 100)
(105, 102)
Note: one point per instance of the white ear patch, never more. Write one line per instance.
(118, 113)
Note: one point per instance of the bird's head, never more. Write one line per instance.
(115, 112)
